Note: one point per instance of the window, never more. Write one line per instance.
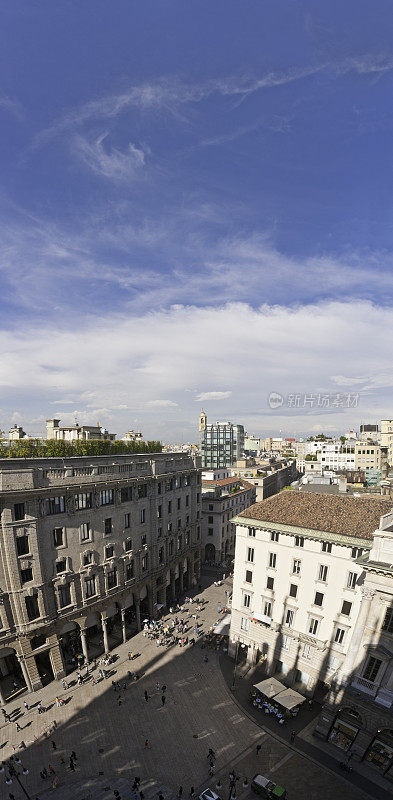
(246, 600)
(318, 599)
(248, 576)
(142, 491)
(111, 577)
(84, 500)
(161, 555)
(323, 573)
(251, 531)
(188, 502)
(143, 515)
(126, 494)
(178, 482)
(109, 551)
(58, 539)
(178, 524)
(346, 608)
(293, 590)
(179, 542)
(339, 635)
(372, 668)
(270, 583)
(90, 587)
(326, 547)
(289, 617)
(170, 548)
(210, 520)
(159, 512)
(144, 563)
(308, 652)
(127, 518)
(106, 497)
(351, 580)
(108, 526)
(22, 545)
(128, 545)
(19, 511)
(272, 560)
(178, 504)
(286, 642)
(159, 532)
(64, 596)
(169, 506)
(250, 554)
(299, 541)
(129, 570)
(274, 536)
(85, 531)
(169, 485)
(244, 623)
(87, 559)
(32, 607)
(296, 566)
(55, 505)
(143, 539)
(159, 487)
(26, 575)
(267, 608)
(356, 552)
(387, 624)
(313, 626)
(210, 531)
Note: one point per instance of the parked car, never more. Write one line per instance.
(267, 788)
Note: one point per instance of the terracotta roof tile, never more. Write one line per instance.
(343, 515)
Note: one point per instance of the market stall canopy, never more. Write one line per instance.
(269, 687)
(223, 625)
(289, 699)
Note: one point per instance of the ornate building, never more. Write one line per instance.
(89, 547)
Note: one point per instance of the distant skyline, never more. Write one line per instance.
(195, 211)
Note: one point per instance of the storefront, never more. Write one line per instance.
(380, 752)
(345, 728)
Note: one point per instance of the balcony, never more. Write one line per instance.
(363, 685)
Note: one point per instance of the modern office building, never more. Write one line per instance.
(89, 547)
(220, 444)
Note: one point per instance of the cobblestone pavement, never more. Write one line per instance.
(109, 739)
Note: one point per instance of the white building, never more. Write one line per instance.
(73, 433)
(296, 596)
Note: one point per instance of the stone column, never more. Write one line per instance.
(138, 613)
(181, 586)
(347, 668)
(123, 624)
(84, 645)
(105, 634)
(172, 585)
(25, 673)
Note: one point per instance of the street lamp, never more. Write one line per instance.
(12, 773)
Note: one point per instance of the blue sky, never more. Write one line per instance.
(195, 209)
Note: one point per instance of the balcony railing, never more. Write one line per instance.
(363, 685)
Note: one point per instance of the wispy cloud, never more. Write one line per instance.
(161, 404)
(109, 162)
(213, 396)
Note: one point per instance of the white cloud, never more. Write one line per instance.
(269, 349)
(213, 396)
(161, 404)
(109, 162)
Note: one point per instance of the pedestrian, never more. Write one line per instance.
(192, 792)
(163, 698)
(64, 685)
(180, 792)
(160, 796)
(72, 765)
(164, 688)
(26, 705)
(258, 749)
(39, 708)
(146, 744)
(293, 734)
(141, 795)
(51, 770)
(146, 696)
(158, 686)
(73, 756)
(18, 728)
(58, 703)
(211, 753)
(54, 745)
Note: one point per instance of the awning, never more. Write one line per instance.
(269, 687)
(223, 625)
(289, 699)
(256, 617)
(159, 606)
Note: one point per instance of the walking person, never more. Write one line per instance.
(258, 749)
(211, 754)
(163, 698)
(54, 745)
(26, 705)
(192, 792)
(146, 696)
(180, 792)
(18, 728)
(146, 744)
(73, 756)
(293, 734)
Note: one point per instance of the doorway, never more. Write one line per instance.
(44, 667)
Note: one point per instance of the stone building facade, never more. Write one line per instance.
(221, 500)
(87, 545)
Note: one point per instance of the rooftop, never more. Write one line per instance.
(342, 515)
(228, 482)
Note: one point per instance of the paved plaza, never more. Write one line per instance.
(109, 737)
